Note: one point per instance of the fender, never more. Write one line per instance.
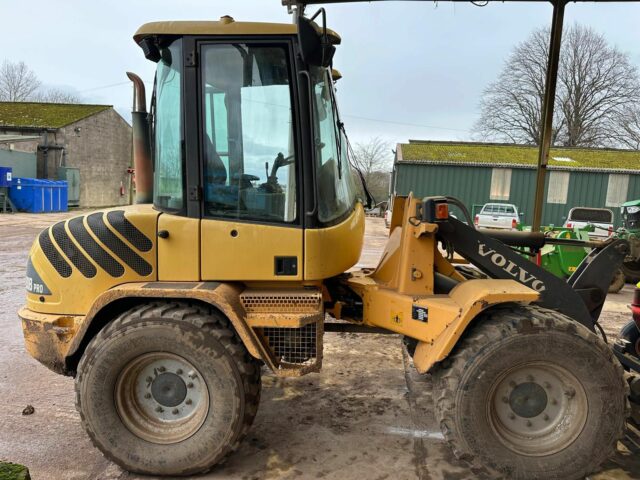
(468, 299)
(223, 296)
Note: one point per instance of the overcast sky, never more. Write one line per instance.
(411, 69)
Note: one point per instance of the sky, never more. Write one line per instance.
(411, 70)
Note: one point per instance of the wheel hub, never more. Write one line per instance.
(169, 390)
(537, 409)
(528, 400)
(161, 398)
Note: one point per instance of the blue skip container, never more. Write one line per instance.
(34, 195)
(5, 177)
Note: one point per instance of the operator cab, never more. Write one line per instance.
(630, 212)
(246, 138)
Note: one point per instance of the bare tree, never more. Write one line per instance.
(595, 82)
(56, 95)
(17, 82)
(374, 161)
(628, 128)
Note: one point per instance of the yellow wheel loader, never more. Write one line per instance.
(236, 252)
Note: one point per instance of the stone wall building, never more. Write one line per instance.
(93, 138)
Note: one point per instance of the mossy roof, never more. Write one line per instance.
(523, 155)
(45, 115)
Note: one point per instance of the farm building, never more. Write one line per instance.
(87, 145)
(481, 172)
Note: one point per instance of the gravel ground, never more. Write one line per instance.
(368, 414)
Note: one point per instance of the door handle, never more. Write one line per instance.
(163, 233)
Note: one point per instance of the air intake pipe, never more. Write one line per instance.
(141, 142)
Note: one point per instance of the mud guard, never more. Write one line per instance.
(223, 296)
(472, 298)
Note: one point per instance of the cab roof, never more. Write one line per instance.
(225, 26)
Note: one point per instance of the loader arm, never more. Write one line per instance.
(580, 298)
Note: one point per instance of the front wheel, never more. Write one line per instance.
(167, 389)
(531, 394)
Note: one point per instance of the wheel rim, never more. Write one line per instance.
(162, 398)
(537, 409)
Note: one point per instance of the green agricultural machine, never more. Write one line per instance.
(630, 231)
(563, 260)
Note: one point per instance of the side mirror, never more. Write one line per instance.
(316, 43)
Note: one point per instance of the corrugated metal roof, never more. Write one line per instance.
(45, 115)
(518, 156)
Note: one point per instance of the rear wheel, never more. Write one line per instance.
(531, 394)
(631, 333)
(631, 271)
(167, 389)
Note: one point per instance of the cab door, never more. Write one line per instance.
(251, 227)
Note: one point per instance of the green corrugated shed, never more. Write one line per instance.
(464, 170)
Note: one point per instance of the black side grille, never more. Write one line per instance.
(54, 257)
(125, 228)
(293, 345)
(71, 251)
(117, 246)
(95, 251)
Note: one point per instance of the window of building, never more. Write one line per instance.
(500, 184)
(617, 189)
(558, 187)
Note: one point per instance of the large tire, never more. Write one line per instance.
(495, 414)
(631, 271)
(617, 282)
(631, 333)
(167, 389)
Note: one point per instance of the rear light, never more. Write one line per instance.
(635, 306)
(442, 211)
(636, 297)
(610, 230)
(514, 223)
(635, 311)
(476, 220)
(569, 225)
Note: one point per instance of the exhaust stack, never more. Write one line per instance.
(141, 142)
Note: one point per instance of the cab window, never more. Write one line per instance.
(167, 127)
(336, 189)
(248, 141)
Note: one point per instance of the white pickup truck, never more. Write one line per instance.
(503, 216)
(600, 218)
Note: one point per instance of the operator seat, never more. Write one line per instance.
(215, 171)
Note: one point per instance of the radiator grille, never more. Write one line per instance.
(256, 302)
(95, 251)
(117, 246)
(72, 252)
(125, 228)
(54, 257)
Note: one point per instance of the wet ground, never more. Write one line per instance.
(367, 415)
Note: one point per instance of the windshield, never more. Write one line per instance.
(593, 215)
(497, 209)
(167, 128)
(336, 189)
